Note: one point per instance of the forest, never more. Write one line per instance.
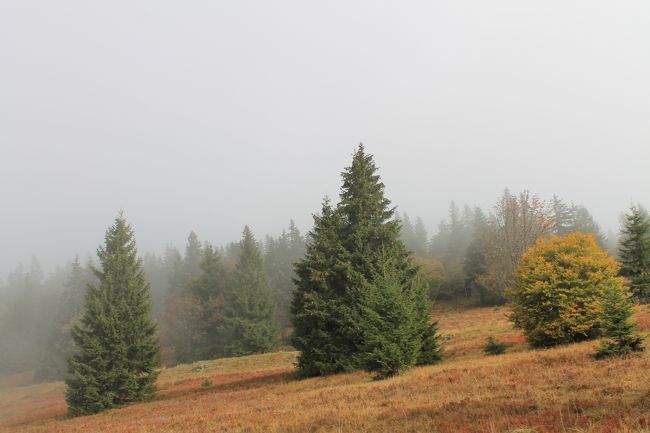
(363, 291)
(474, 253)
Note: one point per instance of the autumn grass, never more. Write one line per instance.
(554, 390)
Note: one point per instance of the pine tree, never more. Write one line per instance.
(562, 216)
(249, 323)
(585, 223)
(192, 260)
(325, 326)
(280, 255)
(420, 247)
(60, 345)
(622, 334)
(407, 232)
(634, 252)
(208, 291)
(474, 263)
(356, 285)
(391, 337)
(116, 339)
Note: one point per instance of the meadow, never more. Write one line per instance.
(554, 390)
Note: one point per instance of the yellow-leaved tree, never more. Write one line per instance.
(564, 291)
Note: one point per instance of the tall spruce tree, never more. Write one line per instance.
(634, 251)
(358, 288)
(116, 338)
(249, 324)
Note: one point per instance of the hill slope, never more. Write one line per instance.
(556, 390)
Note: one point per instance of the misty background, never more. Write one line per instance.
(207, 116)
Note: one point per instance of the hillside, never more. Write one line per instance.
(556, 390)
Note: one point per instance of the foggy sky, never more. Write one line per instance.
(208, 115)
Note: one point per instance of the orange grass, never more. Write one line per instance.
(555, 390)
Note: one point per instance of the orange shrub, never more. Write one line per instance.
(561, 288)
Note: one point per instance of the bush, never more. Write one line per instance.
(567, 290)
(494, 347)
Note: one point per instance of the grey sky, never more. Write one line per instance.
(207, 115)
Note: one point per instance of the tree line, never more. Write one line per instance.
(353, 294)
(475, 253)
(37, 312)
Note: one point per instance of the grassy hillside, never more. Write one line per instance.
(556, 390)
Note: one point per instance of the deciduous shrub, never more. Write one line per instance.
(563, 291)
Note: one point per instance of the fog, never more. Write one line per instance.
(207, 116)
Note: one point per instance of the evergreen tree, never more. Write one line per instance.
(208, 290)
(116, 338)
(249, 324)
(391, 337)
(585, 223)
(562, 217)
(69, 307)
(474, 263)
(634, 251)
(420, 247)
(325, 326)
(407, 232)
(623, 337)
(357, 289)
(193, 257)
(280, 255)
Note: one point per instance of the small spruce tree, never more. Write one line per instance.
(634, 252)
(622, 336)
(116, 338)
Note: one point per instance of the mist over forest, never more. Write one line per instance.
(296, 190)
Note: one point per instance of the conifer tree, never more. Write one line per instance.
(474, 263)
(634, 251)
(420, 247)
(249, 322)
(208, 290)
(358, 303)
(325, 327)
(116, 339)
(622, 335)
(280, 255)
(562, 216)
(60, 345)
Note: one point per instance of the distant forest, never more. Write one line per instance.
(473, 253)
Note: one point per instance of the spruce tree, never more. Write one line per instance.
(562, 216)
(208, 291)
(60, 345)
(249, 324)
(474, 263)
(622, 335)
(357, 289)
(634, 252)
(325, 326)
(420, 248)
(116, 339)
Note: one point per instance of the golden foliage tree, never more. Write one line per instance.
(562, 290)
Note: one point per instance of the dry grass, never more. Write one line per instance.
(557, 390)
